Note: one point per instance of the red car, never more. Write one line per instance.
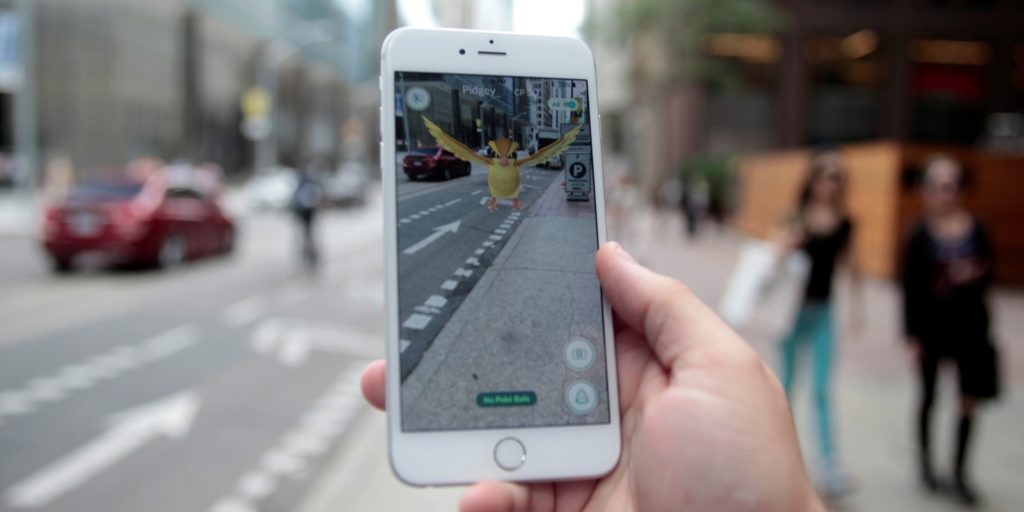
(150, 222)
(433, 162)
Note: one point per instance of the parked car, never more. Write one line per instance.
(347, 186)
(156, 221)
(432, 162)
(271, 189)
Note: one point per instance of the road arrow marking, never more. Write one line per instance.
(439, 231)
(292, 341)
(128, 431)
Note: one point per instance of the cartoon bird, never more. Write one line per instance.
(503, 170)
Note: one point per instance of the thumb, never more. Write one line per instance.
(676, 323)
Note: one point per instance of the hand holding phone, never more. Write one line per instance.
(705, 423)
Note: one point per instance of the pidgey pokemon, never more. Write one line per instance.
(503, 178)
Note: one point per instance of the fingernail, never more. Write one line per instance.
(623, 255)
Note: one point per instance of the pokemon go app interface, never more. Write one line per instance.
(500, 310)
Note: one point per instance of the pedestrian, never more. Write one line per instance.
(821, 229)
(705, 424)
(304, 204)
(946, 275)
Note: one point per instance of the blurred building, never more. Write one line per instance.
(849, 70)
(117, 79)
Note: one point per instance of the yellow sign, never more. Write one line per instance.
(255, 103)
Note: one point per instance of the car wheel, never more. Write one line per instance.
(447, 173)
(61, 265)
(172, 251)
(469, 169)
(412, 177)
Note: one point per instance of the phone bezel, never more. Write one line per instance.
(463, 456)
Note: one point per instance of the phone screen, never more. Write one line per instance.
(500, 312)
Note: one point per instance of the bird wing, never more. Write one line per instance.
(552, 150)
(450, 143)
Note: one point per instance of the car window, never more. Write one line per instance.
(447, 153)
(184, 193)
(424, 151)
(104, 191)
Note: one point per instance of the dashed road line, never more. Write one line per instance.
(433, 209)
(245, 311)
(107, 365)
(310, 438)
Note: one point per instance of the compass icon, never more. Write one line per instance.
(417, 98)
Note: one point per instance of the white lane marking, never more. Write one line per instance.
(231, 505)
(293, 340)
(483, 200)
(475, 192)
(106, 365)
(403, 344)
(130, 430)
(436, 301)
(449, 284)
(495, 237)
(461, 272)
(45, 389)
(433, 209)
(427, 310)
(451, 227)
(417, 321)
(245, 311)
(294, 294)
(312, 435)
(500, 231)
(282, 463)
(256, 485)
(478, 252)
(488, 243)
(13, 403)
(473, 261)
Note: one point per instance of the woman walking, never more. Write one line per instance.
(821, 229)
(947, 271)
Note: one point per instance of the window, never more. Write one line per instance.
(847, 78)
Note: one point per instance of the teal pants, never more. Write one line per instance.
(814, 330)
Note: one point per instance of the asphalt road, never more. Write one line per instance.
(222, 385)
(447, 238)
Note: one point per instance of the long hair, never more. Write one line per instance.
(816, 171)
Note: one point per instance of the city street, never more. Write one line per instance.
(437, 221)
(222, 385)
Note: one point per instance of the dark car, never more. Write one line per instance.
(150, 222)
(432, 162)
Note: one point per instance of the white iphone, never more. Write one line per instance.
(500, 346)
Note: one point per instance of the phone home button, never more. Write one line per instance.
(509, 454)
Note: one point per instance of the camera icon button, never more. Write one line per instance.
(579, 354)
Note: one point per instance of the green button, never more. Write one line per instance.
(506, 399)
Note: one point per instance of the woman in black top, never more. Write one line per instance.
(947, 271)
(822, 230)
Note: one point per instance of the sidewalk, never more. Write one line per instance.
(874, 394)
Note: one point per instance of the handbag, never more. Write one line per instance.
(764, 289)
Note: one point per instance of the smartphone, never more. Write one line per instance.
(500, 344)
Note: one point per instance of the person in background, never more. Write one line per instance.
(821, 229)
(304, 204)
(946, 275)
